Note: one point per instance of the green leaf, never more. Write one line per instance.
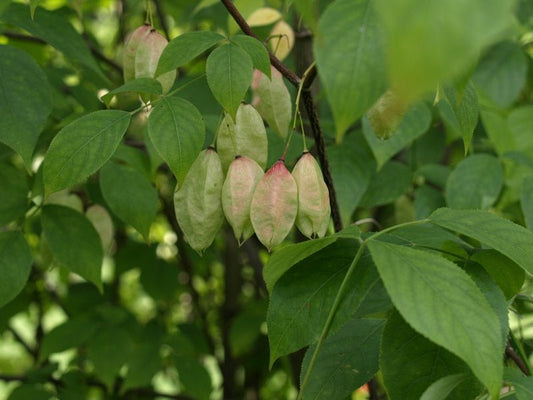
(74, 242)
(179, 51)
(506, 273)
(82, 147)
(301, 297)
(387, 185)
(410, 363)
(30, 391)
(448, 37)
(414, 124)
(245, 329)
(256, 50)
(494, 296)
(510, 239)
(520, 122)
(350, 60)
(229, 71)
(526, 201)
(441, 389)
(498, 131)
(522, 384)
(140, 85)
(13, 193)
(475, 182)
(426, 200)
(347, 360)
(129, 195)
(440, 301)
(177, 131)
(15, 265)
(56, 30)
(501, 73)
(460, 112)
(72, 333)
(283, 259)
(194, 377)
(352, 167)
(25, 101)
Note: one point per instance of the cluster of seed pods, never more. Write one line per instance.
(142, 51)
(230, 182)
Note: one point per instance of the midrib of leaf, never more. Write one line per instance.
(303, 305)
(230, 89)
(174, 120)
(338, 368)
(64, 164)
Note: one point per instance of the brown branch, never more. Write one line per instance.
(511, 354)
(323, 157)
(309, 106)
(96, 52)
(239, 19)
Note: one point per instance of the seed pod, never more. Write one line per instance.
(273, 101)
(386, 115)
(274, 205)
(130, 48)
(313, 197)
(198, 202)
(282, 39)
(246, 137)
(147, 56)
(239, 186)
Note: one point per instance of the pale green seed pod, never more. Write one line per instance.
(245, 137)
(237, 192)
(198, 203)
(313, 197)
(273, 101)
(274, 205)
(147, 57)
(130, 48)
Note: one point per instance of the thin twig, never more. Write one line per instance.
(309, 106)
(510, 353)
(96, 52)
(24, 344)
(239, 19)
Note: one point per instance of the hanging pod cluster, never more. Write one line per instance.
(267, 204)
(142, 51)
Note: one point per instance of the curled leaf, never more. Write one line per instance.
(198, 202)
(239, 186)
(244, 137)
(273, 101)
(313, 197)
(274, 205)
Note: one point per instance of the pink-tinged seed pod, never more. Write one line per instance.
(273, 101)
(147, 57)
(198, 202)
(386, 115)
(313, 197)
(130, 48)
(237, 192)
(274, 205)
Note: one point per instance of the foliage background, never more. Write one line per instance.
(172, 324)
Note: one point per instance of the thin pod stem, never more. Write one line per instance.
(297, 114)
